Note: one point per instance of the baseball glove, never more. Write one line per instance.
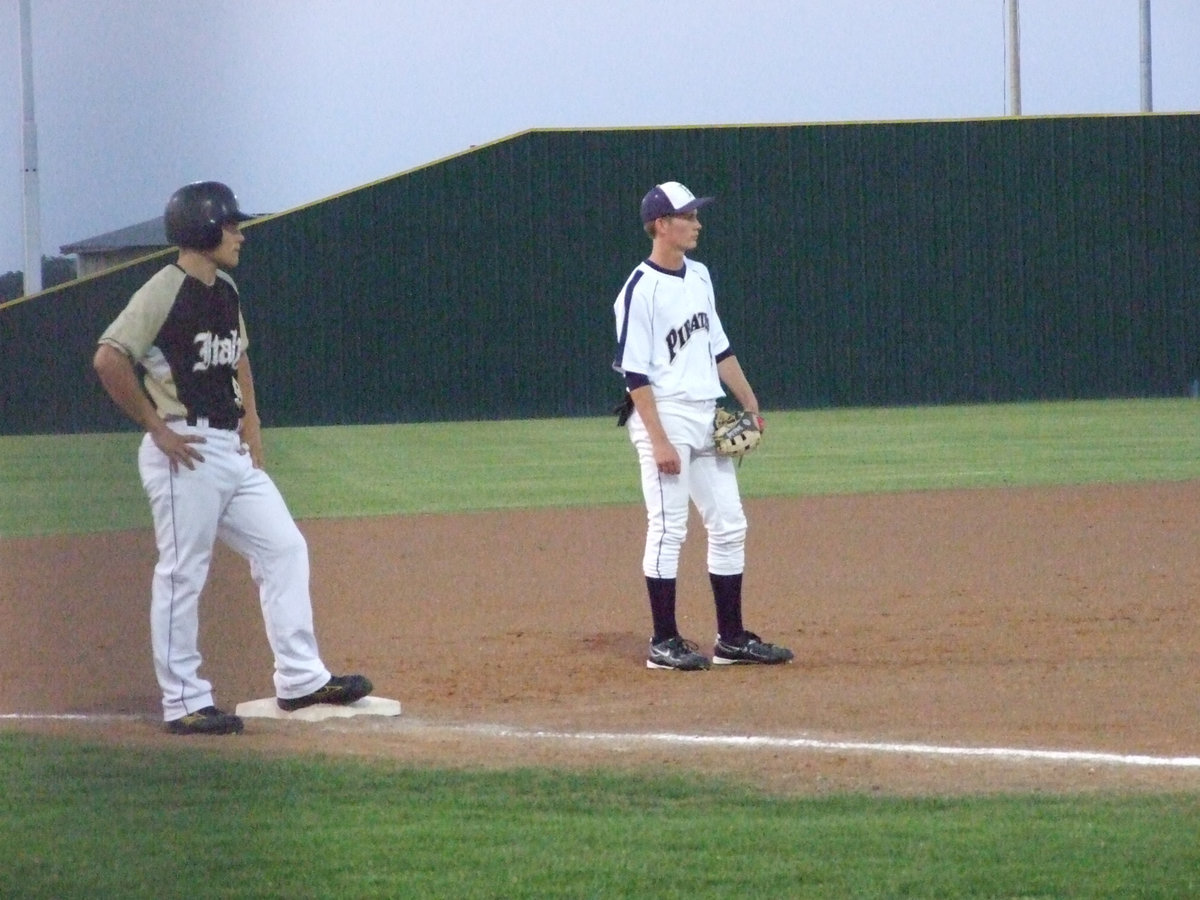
(736, 434)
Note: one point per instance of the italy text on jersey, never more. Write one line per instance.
(215, 350)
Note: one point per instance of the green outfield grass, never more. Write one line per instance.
(89, 821)
(84, 483)
(82, 820)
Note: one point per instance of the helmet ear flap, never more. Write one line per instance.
(197, 212)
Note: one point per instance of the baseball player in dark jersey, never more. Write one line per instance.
(201, 465)
(674, 354)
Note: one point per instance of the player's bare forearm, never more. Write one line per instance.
(643, 402)
(251, 425)
(730, 372)
(665, 454)
(119, 379)
(245, 379)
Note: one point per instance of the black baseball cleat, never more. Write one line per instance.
(209, 720)
(675, 653)
(340, 690)
(749, 648)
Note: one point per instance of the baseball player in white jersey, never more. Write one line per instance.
(201, 466)
(675, 355)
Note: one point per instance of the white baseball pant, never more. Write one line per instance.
(708, 480)
(224, 497)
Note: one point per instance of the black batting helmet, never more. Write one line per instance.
(197, 212)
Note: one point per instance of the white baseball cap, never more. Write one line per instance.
(670, 199)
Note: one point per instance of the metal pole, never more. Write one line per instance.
(1146, 68)
(33, 217)
(1013, 46)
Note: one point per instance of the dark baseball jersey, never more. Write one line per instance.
(188, 337)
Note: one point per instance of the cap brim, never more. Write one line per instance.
(657, 210)
(698, 203)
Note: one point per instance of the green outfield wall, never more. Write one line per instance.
(856, 265)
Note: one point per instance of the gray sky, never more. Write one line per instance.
(289, 101)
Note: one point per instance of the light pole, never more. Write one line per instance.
(33, 216)
(1146, 69)
(1012, 34)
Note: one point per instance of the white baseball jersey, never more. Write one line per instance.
(668, 330)
(669, 336)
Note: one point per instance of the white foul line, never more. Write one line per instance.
(1010, 754)
(781, 743)
(71, 717)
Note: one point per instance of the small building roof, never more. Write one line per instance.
(150, 235)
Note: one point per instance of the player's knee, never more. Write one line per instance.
(668, 529)
(296, 545)
(728, 531)
(727, 558)
(289, 545)
(671, 539)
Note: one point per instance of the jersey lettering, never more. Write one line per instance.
(678, 337)
(216, 350)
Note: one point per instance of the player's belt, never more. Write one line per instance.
(224, 423)
(229, 423)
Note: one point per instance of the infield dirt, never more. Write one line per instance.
(1039, 618)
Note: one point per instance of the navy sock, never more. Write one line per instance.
(727, 593)
(662, 607)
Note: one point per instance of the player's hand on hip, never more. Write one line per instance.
(178, 447)
(667, 459)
